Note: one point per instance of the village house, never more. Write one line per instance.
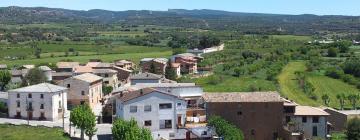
(84, 89)
(17, 76)
(163, 111)
(123, 75)
(192, 94)
(66, 66)
(109, 77)
(258, 114)
(157, 65)
(78, 70)
(39, 102)
(308, 122)
(188, 62)
(125, 64)
(149, 78)
(58, 77)
(47, 72)
(176, 67)
(339, 118)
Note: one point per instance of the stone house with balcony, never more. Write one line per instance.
(152, 109)
(84, 89)
(125, 64)
(123, 75)
(188, 62)
(38, 102)
(159, 65)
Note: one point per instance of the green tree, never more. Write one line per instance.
(341, 97)
(326, 99)
(84, 119)
(225, 129)
(107, 89)
(37, 52)
(332, 52)
(129, 130)
(33, 77)
(5, 78)
(353, 99)
(170, 73)
(353, 129)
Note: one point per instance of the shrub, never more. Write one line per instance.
(225, 129)
(353, 129)
(334, 73)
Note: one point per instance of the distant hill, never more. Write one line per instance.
(206, 19)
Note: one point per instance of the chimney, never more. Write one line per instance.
(141, 91)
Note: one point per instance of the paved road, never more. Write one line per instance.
(103, 133)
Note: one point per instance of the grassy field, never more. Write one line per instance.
(234, 84)
(338, 136)
(83, 59)
(292, 37)
(11, 132)
(289, 86)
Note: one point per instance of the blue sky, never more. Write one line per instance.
(320, 7)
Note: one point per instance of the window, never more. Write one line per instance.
(133, 109)
(165, 124)
(314, 131)
(178, 104)
(18, 95)
(82, 102)
(147, 108)
(68, 86)
(147, 123)
(60, 104)
(239, 113)
(29, 96)
(304, 119)
(106, 82)
(106, 75)
(252, 132)
(18, 104)
(315, 119)
(42, 96)
(83, 93)
(165, 106)
(41, 106)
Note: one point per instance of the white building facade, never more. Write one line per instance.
(152, 109)
(38, 102)
(311, 122)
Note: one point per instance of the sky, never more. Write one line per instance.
(318, 7)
